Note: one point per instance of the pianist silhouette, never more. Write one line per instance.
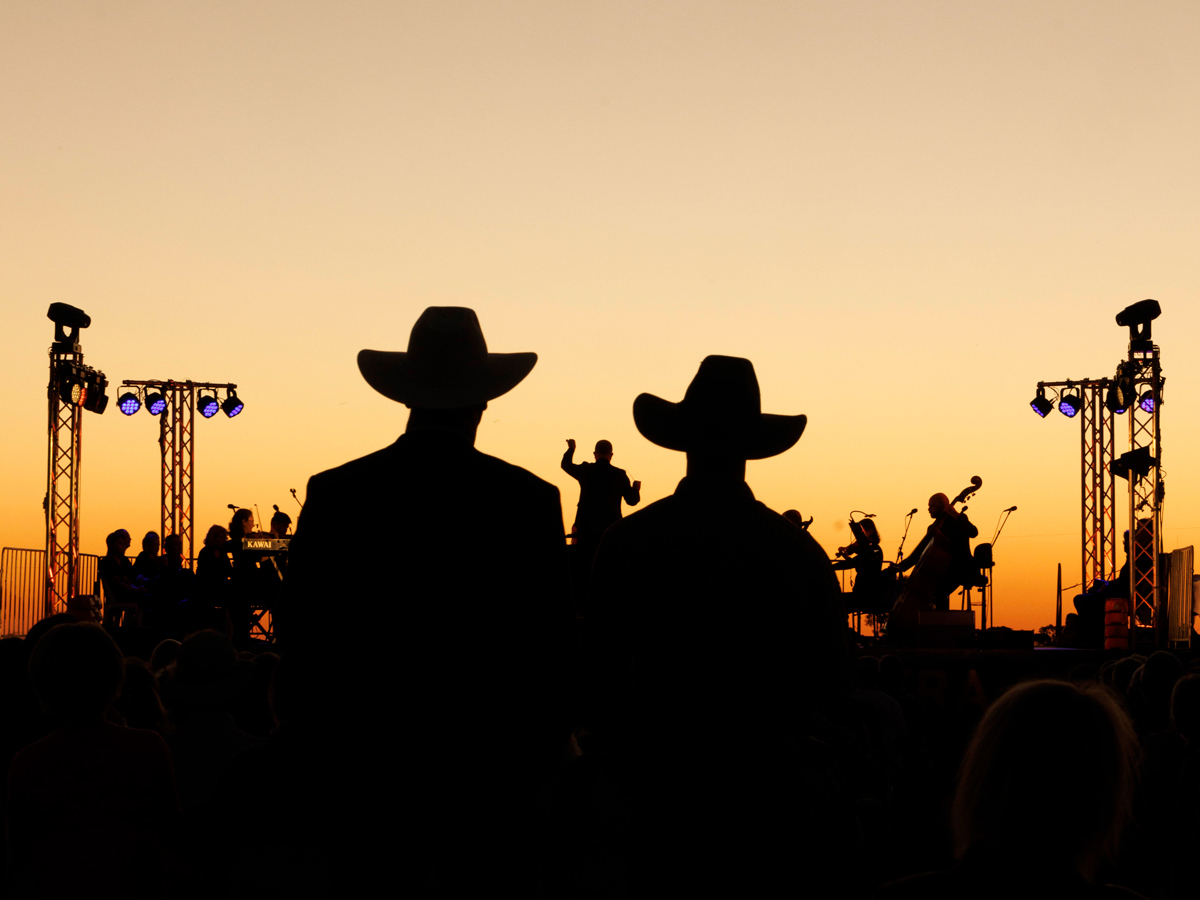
(456, 727)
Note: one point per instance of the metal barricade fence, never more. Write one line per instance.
(23, 587)
(23, 591)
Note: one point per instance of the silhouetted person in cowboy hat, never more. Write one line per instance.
(454, 725)
(719, 636)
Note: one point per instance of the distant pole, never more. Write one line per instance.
(1058, 606)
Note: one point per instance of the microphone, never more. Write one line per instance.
(913, 511)
(231, 506)
(1011, 509)
(868, 515)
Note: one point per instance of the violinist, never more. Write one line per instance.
(865, 556)
(952, 531)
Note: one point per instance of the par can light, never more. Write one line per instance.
(208, 405)
(1069, 405)
(1040, 404)
(1147, 403)
(128, 403)
(232, 405)
(155, 403)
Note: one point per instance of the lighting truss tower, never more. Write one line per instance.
(1145, 491)
(1098, 489)
(177, 444)
(1136, 390)
(73, 388)
(62, 487)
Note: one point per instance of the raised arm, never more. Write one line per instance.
(569, 465)
(632, 492)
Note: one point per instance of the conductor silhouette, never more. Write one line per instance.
(602, 487)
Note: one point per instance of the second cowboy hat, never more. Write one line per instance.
(447, 364)
(721, 413)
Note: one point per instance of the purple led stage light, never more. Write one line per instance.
(208, 405)
(1147, 403)
(1069, 405)
(156, 403)
(1040, 404)
(129, 403)
(232, 405)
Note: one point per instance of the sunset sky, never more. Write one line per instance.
(905, 213)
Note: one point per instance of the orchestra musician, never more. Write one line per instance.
(246, 581)
(865, 556)
(950, 531)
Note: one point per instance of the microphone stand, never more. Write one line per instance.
(907, 523)
(991, 585)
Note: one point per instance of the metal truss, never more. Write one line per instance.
(176, 439)
(62, 486)
(1146, 491)
(1098, 491)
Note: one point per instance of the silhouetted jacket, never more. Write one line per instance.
(713, 610)
(602, 486)
(452, 564)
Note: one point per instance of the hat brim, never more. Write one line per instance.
(497, 374)
(759, 437)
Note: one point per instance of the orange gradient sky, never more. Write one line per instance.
(905, 214)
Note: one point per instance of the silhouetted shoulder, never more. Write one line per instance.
(520, 477)
(956, 885)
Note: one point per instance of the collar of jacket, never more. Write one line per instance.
(708, 492)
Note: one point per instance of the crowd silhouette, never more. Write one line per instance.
(690, 715)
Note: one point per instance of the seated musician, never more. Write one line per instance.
(115, 573)
(952, 531)
(865, 556)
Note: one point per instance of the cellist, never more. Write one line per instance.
(951, 531)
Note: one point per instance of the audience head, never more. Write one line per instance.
(139, 702)
(1039, 734)
(866, 673)
(719, 423)
(118, 542)
(603, 450)
(208, 672)
(76, 670)
(447, 376)
(150, 543)
(173, 547)
(1123, 673)
(241, 524)
(216, 537)
(1159, 674)
(1185, 708)
(163, 655)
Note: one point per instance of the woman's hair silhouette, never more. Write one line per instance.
(1049, 776)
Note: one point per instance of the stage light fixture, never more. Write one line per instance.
(1136, 462)
(232, 405)
(208, 405)
(1040, 404)
(1147, 403)
(1069, 405)
(128, 403)
(96, 393)
(155, 403)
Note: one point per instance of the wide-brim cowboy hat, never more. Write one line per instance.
(721, 414)
(447, 364)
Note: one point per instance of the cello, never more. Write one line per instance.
(920, 593)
